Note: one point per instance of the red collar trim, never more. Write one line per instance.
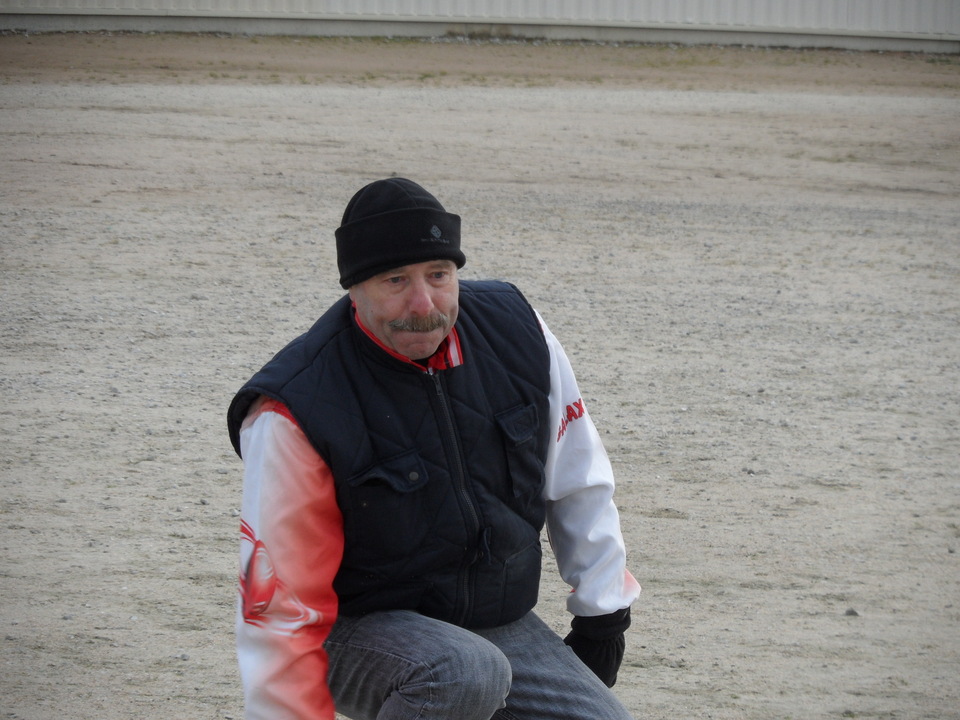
(448, 355)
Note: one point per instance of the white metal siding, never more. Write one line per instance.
(939, 18)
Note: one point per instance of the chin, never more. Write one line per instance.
(420, 350)
(418, 353)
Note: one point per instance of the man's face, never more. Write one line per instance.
(410, 309)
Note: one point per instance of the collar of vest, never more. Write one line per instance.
(448, 355)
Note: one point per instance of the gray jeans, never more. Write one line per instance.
(399, 665)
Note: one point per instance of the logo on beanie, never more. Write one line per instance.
(436, 236)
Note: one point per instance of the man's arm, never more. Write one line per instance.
(583, 525)
(291, 548)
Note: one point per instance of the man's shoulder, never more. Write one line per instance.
(484, 287)
(495, 305)
(306, 351)
(335, 320)
(493, 294)
(291, 373)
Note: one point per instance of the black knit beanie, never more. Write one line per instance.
(391, 223)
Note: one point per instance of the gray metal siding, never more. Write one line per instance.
(902, 18)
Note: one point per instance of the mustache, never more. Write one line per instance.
(421, 324)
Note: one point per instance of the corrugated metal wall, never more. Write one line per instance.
(935, 18)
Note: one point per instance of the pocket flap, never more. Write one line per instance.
(404, 473)
(518, 424)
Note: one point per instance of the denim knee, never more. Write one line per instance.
(471, 681)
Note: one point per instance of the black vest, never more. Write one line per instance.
(439, 475)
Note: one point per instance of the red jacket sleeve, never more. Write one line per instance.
(291, 548)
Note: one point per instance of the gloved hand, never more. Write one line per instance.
(599, 643)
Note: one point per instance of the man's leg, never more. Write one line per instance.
(549, 681)
(399, 665)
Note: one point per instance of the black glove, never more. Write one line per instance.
(599, 643)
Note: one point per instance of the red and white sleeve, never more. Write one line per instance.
(291, 549)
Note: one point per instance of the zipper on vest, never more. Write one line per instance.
(460, 476)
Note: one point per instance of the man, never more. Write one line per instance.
(400, 461)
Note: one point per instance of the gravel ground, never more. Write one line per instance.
(753, 259)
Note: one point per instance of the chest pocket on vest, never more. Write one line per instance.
(388, 513)
(519, 426)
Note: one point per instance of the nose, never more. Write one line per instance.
(420, 300)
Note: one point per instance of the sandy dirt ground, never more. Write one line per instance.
(752, 256)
